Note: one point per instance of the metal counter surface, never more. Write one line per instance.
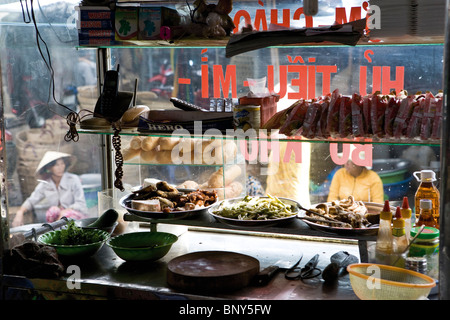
(106, 276)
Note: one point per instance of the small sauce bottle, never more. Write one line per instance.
(406, 213)
(426, 214)
(398, 232)
(385, 241)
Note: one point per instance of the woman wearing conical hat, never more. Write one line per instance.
(61, 190)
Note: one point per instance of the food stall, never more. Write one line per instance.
(219, 143)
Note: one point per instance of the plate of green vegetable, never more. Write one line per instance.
(74, 241)
(251, 211)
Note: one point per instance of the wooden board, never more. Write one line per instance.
(211, 271)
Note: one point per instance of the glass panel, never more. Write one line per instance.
(300, 73)
(36, 103)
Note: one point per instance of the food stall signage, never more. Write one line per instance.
(263, 19)
(303, 78)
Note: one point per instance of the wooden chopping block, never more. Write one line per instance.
(211, 271)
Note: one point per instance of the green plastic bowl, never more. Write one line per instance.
(142, 246)
(52, 239)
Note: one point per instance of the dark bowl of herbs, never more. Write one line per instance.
(73, 241)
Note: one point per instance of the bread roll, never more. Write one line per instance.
(164, 157)
(186, 145)
(216, 180)
(131, 117)
(149, 156)
(128, 153)
(189, 184)
(206, 146)
(135, 142)
(224, 154)
(149, 143)
(168, 143)
(234, 190)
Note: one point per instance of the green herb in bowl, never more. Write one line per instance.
(74, 241)
(73, 235)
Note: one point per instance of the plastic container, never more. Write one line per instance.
(268, 105)
(406, 213)
(389, 259)
(427, 190)
(247, 117)
(398, 232)
(426, 214)
(380, 282)
(426, 245)
(385, 242)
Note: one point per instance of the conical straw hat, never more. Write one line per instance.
(50, 156)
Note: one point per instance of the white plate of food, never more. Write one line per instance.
(163, 201)
(350, 217)
(255, 211)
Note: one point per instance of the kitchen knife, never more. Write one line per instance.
(266, 274)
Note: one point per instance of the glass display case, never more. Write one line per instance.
(43, 89)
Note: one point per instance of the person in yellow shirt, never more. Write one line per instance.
(360, 182)
(290, 179)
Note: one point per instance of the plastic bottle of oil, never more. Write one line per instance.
(427, 190)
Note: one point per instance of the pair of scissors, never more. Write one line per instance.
(309, 271)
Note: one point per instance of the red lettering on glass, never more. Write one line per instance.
(297, 59)
(389, 84)
(311, 82)
(356, 156)
(300, 82)
(205, 81)
(244, 147)
(265, 145)
(326, 77)
(237, 18)
(260, 19)
(225, 81)
(367, 55)
(341, 15)
(363, 80)
(282, 78)
(293, 147)
(376, 79)
(308, 19)
(184, 81)
(286, 17)
(381, 79)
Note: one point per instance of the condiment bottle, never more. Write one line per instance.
(427, 190)
(398, 232)
(406, 213)
(385, 241)
(426, 214)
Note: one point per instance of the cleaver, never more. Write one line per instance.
(266, 274)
